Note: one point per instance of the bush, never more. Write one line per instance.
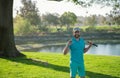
(22, 27)
(91, 29)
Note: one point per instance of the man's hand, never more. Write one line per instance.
(90, 43)
(65, 50)
(69, 43)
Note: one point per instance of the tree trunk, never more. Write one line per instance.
(7, 43)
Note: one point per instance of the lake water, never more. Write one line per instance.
(102, 49)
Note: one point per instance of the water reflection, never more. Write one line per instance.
(57, 48)
(102, 49)
(105, 49)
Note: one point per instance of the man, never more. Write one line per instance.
(77, 49)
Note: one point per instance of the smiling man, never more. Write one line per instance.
(77, 49)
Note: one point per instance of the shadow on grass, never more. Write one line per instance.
(40, 63)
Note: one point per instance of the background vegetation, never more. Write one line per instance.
(29, 22)
(31, 28)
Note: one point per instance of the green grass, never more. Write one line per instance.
(55, 65)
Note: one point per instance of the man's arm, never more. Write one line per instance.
(86, 49)
(66, 48)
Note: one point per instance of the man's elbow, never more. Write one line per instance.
(64, 53)
(85, 51)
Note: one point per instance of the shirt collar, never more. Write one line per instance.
(73, 38)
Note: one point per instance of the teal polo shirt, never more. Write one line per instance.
(77, 50)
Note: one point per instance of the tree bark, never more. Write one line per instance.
(7, 43)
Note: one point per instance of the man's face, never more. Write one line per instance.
(76, 34)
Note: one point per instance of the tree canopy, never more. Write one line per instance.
(115, 4)
(29, 11)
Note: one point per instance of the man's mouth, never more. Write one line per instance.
(76, 36)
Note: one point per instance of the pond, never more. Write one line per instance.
(102, 49)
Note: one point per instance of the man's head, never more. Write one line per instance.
(76, 32)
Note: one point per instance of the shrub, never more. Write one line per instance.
(22, 27)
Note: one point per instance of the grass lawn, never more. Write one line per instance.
(55, 65)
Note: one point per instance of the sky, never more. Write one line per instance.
(45, 6)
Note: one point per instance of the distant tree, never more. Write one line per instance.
(7, 43)
(51, 19)
(101, 20)
(80, 21)
(30, 12)
(68, 18)
(91, 20)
